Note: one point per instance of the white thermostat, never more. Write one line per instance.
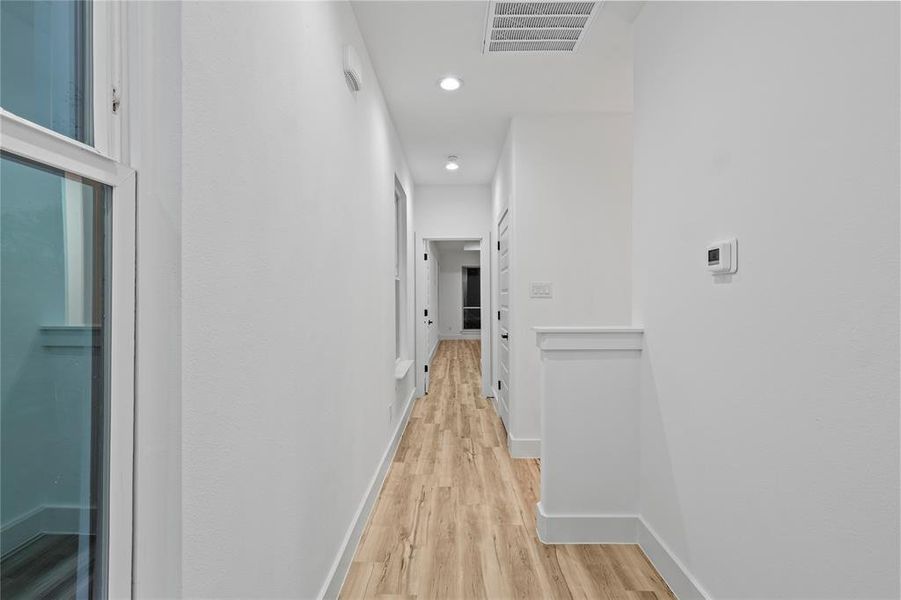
(721, 257)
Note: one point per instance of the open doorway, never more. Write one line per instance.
(452, 287)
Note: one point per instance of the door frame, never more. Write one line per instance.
(422, 349)
(503, 406)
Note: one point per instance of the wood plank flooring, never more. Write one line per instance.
(47, 567)
(456, 516)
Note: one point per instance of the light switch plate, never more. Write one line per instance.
(541, 289)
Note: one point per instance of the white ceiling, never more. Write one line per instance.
(413, 43)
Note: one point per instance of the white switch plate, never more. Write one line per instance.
(541, 289)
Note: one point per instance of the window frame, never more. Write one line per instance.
(464, 308)
(41, 145)
(107, 52)
(401, 302)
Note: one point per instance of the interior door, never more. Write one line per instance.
(428, 316)
(503, 306)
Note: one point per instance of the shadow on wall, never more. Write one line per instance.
(658, 490)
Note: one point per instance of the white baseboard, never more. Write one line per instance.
(43, 519)
(500, 408)
(587, 529)
(332, 586)
(621, 529)
(434, 350)
(523, 447)
(461, 336)
(677, 577)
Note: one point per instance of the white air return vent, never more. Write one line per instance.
(544, 26)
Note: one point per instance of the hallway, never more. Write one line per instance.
(456, 516)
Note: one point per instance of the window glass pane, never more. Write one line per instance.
(472, 318)
(45, 64)
(471, 287)
(53, 381)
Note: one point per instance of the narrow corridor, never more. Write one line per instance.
(456, 516)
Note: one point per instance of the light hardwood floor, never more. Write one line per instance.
(456, 516)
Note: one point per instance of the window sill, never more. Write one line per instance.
(70, 336)
(401, 368)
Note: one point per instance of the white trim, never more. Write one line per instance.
(40, 520)
(401, 368)
(122, 390)
(25, 139)
(484, 334)
(46, 147)
(335, 580)
(501, 409)
(468, 335)
(107, 53)
(586, 529)
(523, 447)
(680, 580)
(621, 529)
(550, 339)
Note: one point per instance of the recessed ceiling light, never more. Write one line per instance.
(450, 83)
(452, 164)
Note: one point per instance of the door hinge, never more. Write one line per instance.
(117, 99)
(426, 312)
(427, 368)
(425, 256)
(498, 315)
(498, 384)
(498, 244)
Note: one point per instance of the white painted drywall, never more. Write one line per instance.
(589, 424)
(770, 410)
(153, 122)
(452, 211)
(450, 291)
(571, 222)
(287, 264)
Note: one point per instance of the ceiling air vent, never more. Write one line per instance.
(545, 26)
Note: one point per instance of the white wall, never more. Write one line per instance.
(288, 333)
(452, 210)
(450, 292)
(770, 410)
(571, 221)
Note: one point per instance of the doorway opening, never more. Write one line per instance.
(452, 287)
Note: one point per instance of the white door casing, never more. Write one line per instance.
(424, 313)
(502, 342)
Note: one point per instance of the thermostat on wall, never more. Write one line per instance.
(721, 257)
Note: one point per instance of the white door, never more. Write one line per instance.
(426, 311)
(428, 314)
(503, 306)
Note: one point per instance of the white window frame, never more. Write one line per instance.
(401, 302)
(100, 163)
(28, 140)
(107, 52)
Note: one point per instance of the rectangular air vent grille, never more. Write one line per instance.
(543, 26)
